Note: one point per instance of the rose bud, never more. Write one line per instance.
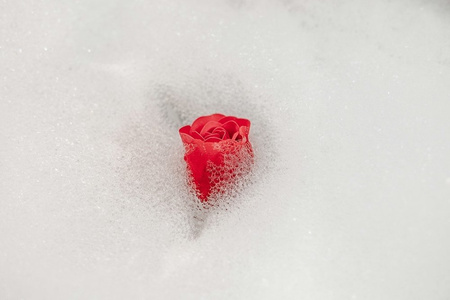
(217, 153)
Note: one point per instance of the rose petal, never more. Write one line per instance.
(243, 122)
(218, 129)
(235, 135)
(212, 139)
(208, 126)
(186, 138)
(197, 135)
(186, 129)
(240, 122)
(231, 127)
(208, 135)
(184, 134)
(226, 119)
(223, 134)
(244, 131)
(198, 124)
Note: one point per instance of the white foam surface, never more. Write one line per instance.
(350, 108)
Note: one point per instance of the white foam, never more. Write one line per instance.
(349, 194)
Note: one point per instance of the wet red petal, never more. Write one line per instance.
(243, 122)
(209, 126)
(231, 127)
(235, 135)
(223, 134)
(196, 135)
(198, 124)
(226, 119)
(212, 139)
(240, 122)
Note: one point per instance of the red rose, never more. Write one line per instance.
(217, 152)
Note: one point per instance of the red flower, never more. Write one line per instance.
(217, 152)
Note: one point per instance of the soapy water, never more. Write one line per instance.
(348, 197)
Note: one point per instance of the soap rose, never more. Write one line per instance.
(217, 153)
